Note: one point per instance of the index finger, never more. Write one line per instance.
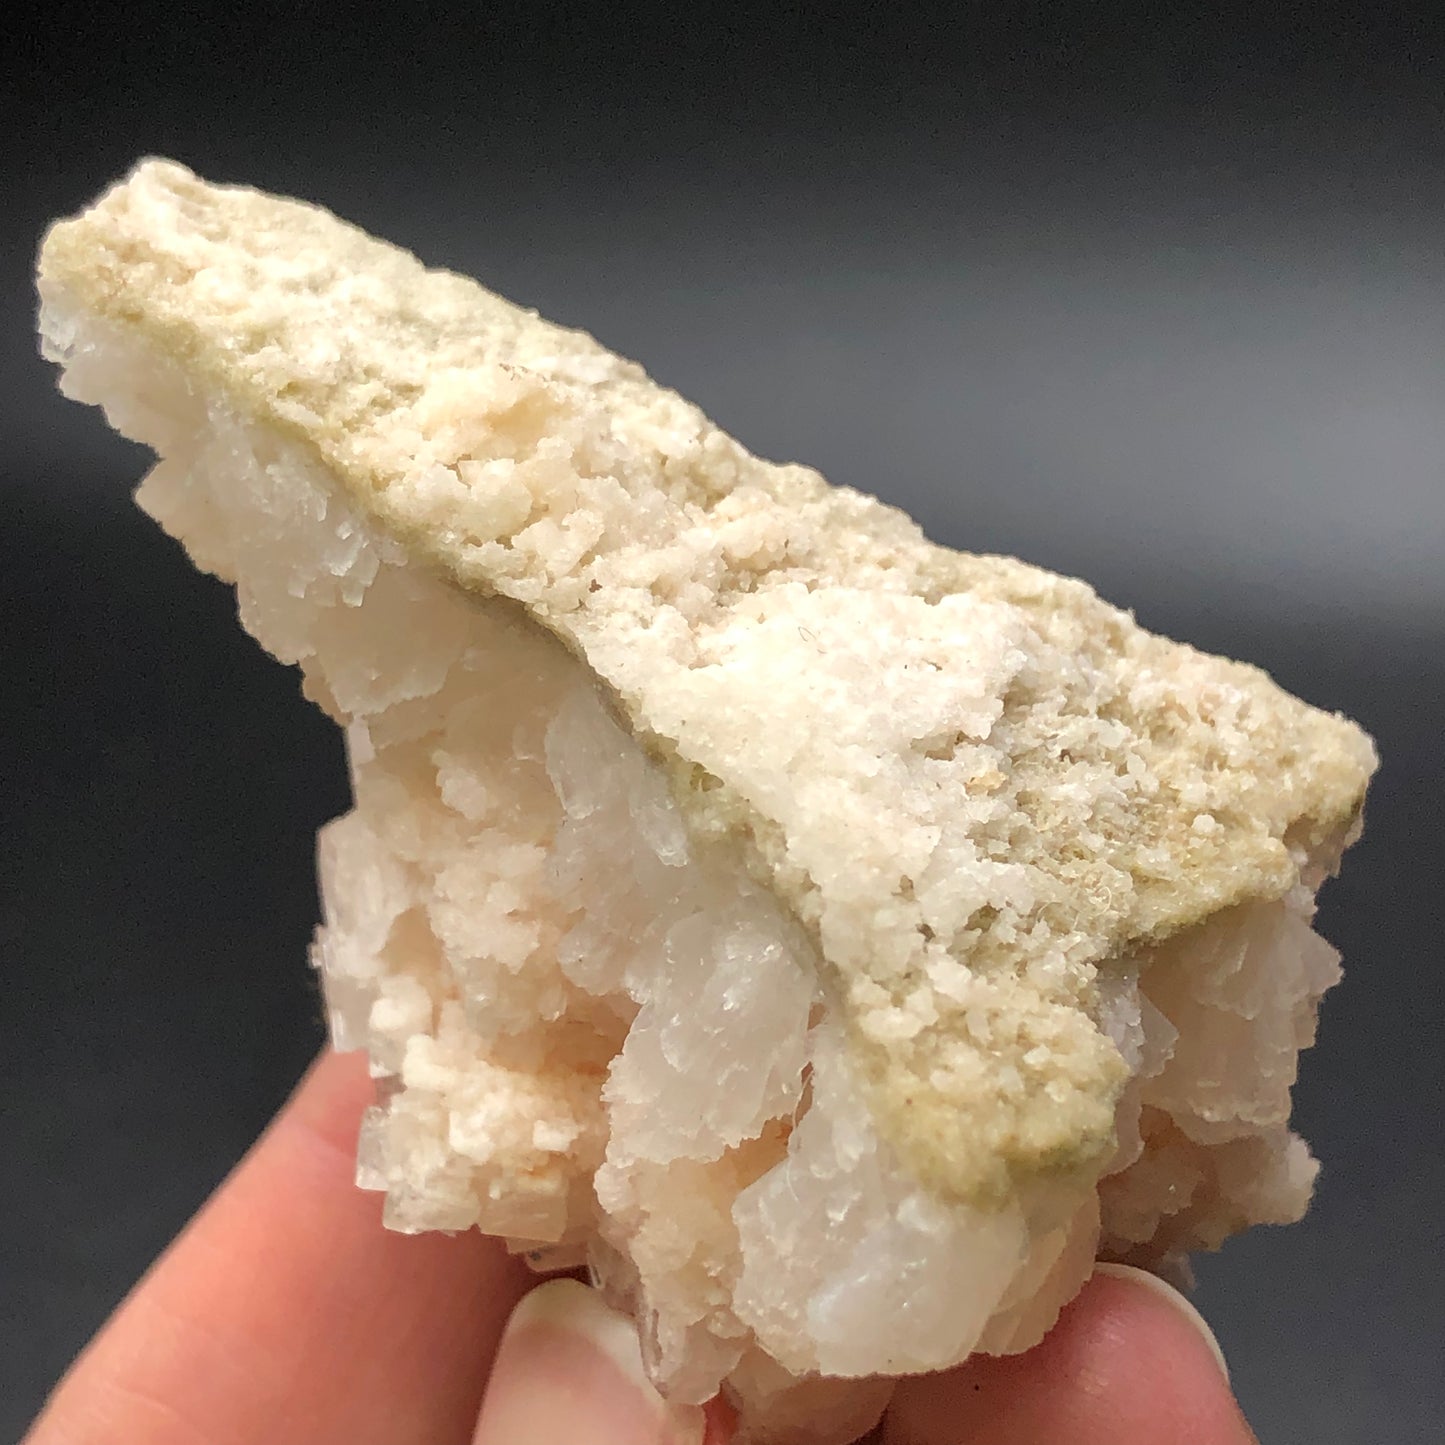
(1128, 1363)
(286, 1315)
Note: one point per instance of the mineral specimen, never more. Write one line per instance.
(834, 941)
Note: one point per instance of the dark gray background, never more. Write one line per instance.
(1155, 296)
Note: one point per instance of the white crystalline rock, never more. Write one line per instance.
(629, 1002)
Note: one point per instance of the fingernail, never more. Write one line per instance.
(1168, 1293)
(569, 1367)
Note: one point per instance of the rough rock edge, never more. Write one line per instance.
(433, 401)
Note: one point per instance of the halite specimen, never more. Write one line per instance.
(834, 941)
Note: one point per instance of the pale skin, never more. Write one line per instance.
(286, 1315)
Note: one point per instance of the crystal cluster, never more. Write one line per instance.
(657, 963)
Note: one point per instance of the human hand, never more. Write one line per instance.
(286, 1315)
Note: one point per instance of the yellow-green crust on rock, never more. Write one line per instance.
(973, 781)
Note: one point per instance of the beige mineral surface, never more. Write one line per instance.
(834, 940)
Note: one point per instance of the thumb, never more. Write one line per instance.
(569, 1371)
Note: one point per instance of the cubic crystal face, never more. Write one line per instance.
(835, 942)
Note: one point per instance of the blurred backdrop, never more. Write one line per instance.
(1154, 295)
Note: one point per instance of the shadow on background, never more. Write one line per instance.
(1157, 304)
